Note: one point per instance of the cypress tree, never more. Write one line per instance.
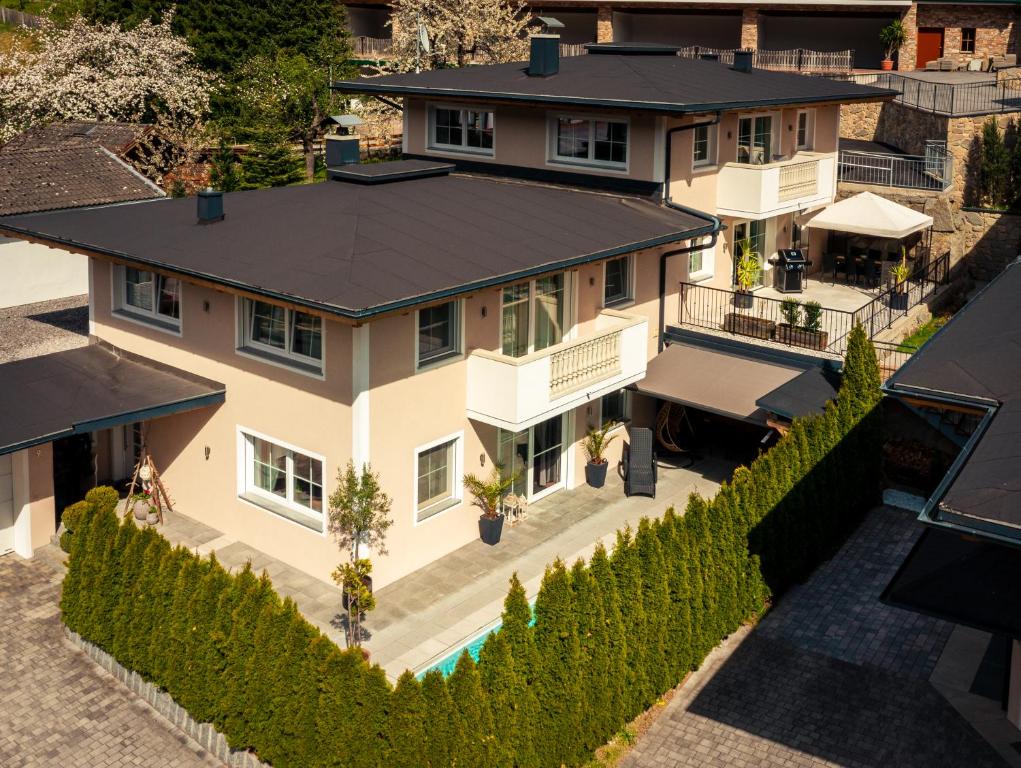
(558, 690)
(201, 647)
(77, 544)
(617, 653)
(443, 736)
(177, 669)
(102, 532)
(291, 723)
(503, 686)
(655, 605)
(132, 564)
(406, 724)
(140, 613)
(515, 629)
(475, 720)
(351, 715)
(594, 667)
(161, 601)
(301, 723)
(627, 574)
(673, 539)
(254, 693)
(994, 167)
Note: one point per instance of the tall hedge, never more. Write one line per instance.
(608, 638)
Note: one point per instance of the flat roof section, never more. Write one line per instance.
(714, 380)
(804, 395)
(357, 250)
(976, 358)
(80, 390)
(660, 83)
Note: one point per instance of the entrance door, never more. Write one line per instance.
(74, 471)
(534, 457)
(930, 45)
(6, 504)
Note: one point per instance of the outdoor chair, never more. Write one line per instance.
(840, 265)
(639, 462)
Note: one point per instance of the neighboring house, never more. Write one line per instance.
(972, 29)
(73, 175)
(430, 322)
(966, 566)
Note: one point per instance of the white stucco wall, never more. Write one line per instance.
(30, 272)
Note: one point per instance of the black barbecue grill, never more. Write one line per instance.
(790, 270)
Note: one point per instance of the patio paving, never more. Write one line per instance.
(419, 618)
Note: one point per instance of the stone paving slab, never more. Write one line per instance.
(57, 708)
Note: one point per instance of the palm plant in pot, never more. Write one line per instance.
(892, 37)
(489, 494)
(594, 445)
(746, 272)
(900, 274)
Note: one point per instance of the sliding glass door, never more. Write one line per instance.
(535, 457)
(752, 233)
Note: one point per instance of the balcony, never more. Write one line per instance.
(748, 191)
(514, 393)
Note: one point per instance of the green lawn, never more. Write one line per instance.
(923, 333)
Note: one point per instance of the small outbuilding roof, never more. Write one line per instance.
(870, 214)
(81, 390)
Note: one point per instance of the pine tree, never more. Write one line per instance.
(443, 736)
(225, 172)
(406, 724)
(475, 719)
(558, 690)
(270, 163)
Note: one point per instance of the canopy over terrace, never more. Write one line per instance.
(869, 214)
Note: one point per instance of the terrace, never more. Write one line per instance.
(953, 94)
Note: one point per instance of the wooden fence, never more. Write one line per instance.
(19, 18)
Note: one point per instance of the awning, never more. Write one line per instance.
(869, 214)
(805, 394)
(714, 380)
(81, 390)
(960, 579)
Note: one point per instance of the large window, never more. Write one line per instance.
(806, 129)
(439, 333)
(283, 480)
(286, 335)
(461, 130)
(534, 315)
(703, 148)
(755, 140)
(436, 476)
(147, 296)
(617, 285)
(590, 142)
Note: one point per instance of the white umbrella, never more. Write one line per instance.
(869, 214)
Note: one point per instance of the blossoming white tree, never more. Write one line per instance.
(83, 71)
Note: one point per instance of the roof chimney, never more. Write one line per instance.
(210, 206)
(342, 150)
(743, 60)
(544, 59)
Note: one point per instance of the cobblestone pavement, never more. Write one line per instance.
(57, 708)
(830, 678)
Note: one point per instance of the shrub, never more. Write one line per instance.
(791, 311)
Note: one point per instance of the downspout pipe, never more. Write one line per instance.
(717, 225)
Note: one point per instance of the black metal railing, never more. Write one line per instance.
(819, 329)
(933, 170)
(986, 97)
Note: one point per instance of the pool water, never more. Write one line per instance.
(474, 646)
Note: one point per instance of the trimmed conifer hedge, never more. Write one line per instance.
(609, 637)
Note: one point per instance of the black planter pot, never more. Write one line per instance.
(595, 474)
(367, 581)
(490, 529)
(899, 301)
(744, 299)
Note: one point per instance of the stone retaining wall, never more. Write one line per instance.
(203, 733)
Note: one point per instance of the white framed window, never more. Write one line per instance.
(805, 129)
(438, 334)
(535, 315)
(438, 467)
(599, 142)
(460, 129)
(281, 479)
(701, 263)
(703, 146)
(152, 298)
(615, 408)
(756, 139)
(618, 281)
(279, 334)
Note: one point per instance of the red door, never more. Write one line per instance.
(930, 45)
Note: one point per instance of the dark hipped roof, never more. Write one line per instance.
(357, 249)
(80, 390)
(116, 137)
(68, 177)
(662, 83)
(976, 357)
(959, 579)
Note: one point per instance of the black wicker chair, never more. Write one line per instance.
(639, 463)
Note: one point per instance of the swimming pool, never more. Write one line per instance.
(446, 664)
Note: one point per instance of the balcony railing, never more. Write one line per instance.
(382, 47)
(986, 97)
(799, 180)
(790, 60)
(515, 392)
(724, 311)
(933, 170)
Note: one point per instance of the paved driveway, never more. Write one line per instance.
(830, 678)
(57, 708)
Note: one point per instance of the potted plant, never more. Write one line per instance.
(594, 445)
(143, 509)
(746, 272)
(489, 495)
(892, 36)
(359, 516)
(355, 583)
(900, 274)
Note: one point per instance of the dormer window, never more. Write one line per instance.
(455, 129)
(578, 140)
